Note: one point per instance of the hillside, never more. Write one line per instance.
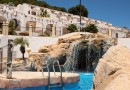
(34, 2)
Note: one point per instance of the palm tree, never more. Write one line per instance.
(44, 13)
(22, 42)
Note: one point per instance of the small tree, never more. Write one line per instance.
(44, 13)
(12, 28)
(22, 42)
(72, 28)
(90, 28)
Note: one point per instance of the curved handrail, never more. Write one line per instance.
(56, 61)
(47, 66)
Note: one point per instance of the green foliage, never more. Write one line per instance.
(72, 28)
(47, 33)
(44, 13)
(90, 28)
(59, 8)
(12, 28)
(21, 41)
(76, 10)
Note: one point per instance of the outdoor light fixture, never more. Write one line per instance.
(28, 50)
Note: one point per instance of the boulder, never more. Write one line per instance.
(45, 49)
(113, 70)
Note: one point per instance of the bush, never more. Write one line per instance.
(72, 28)
(90, 28)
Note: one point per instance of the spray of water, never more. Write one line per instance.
(72, 57)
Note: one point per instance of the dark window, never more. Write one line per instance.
(28, 12)
(116, 35)
(33, 13)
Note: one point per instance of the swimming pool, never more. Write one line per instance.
(85, 83)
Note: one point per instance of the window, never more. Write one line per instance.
(28, 12)
(32, 7)
(116, 35)
(33, 13)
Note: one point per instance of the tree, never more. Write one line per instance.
(12, 28)
(59, 8)
(44, 13)
(72, 28)
(90, 28)
(22, 42)
(76, 10)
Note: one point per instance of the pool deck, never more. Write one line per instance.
(31, 79)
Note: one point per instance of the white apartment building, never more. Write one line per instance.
(25, 14)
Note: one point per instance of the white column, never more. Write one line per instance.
(110, 33)
(5, 28)
(30, 30)
(53, 31)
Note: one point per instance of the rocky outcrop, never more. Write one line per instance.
(113, 70)
(60, 50)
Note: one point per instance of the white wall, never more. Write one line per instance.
(124, 42)
(34, 44)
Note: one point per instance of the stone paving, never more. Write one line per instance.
(31, 79)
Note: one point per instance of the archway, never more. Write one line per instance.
(16, 24)
(65, 31)
(49, 29)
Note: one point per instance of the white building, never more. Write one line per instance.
(25, 14)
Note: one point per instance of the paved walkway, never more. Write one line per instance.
(31, 79)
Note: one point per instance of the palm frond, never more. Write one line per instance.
(21, 41)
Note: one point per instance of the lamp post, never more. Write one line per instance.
(80, 15)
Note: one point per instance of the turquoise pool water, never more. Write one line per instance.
(85, 83)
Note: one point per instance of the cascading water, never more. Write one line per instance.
(83, 55)
(72, 57)
(88, 54)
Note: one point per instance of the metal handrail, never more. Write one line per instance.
(61, 81)
(56, 61)
(46, 65)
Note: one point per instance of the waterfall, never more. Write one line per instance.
(88, 55)
(72, 57)
(92, 55)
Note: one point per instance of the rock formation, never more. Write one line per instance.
(113, 70)
(60, 50)
(70, 49)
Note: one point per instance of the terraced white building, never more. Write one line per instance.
(25, 14)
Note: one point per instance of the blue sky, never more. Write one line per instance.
(116, 12)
